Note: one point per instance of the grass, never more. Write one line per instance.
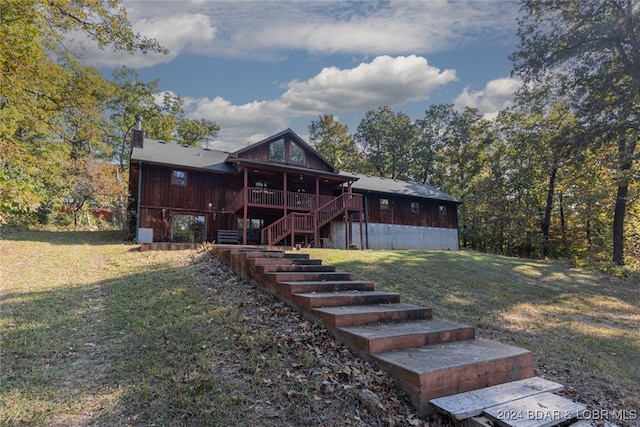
(582, 327)
(95, 332)
(87, 323)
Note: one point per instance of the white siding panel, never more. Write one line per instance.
(389, 236)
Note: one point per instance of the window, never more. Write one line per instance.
(296, 154)
(415, 207)
(179, 178)
(384, 204)
(443, 210)
(189, 228)
(276, 150)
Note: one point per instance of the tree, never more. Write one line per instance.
(592, 48)
(430, 140)
(197, 131)
(47, 99)
(386, 139)
(332, 140)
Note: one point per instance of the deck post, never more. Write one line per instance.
(361, 236)
(245, 210)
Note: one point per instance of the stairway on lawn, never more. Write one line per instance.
(429, 358)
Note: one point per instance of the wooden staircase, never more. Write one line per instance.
(439, 364)
(310, 223)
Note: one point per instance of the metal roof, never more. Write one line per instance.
(394, 186)
(187, 156)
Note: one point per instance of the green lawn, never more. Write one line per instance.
(582, 327)
(94, 332)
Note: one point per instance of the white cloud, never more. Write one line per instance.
(178, 33)
(383, 81)
(270, 29)
(497, 95)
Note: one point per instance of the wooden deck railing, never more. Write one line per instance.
(279, 199)
(310, 222)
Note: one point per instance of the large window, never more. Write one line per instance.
(179, 178)
(189, 228)
(296, 154)
(276, 150)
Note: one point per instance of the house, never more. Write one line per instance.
(278, 191)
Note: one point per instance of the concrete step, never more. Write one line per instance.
(292, 276)
(540, 410)
(287, 289)
(295, 268)
(381, 337)
(362, 314)
(472, 403)
(308, 301)
(433, 371)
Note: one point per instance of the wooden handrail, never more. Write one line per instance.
(310, 222)
(279, 199)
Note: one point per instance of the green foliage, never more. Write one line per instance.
(386, 138)
(196, 132)
(589, 52)
(51, 107)
(332, 140)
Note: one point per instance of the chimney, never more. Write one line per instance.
(137, 134)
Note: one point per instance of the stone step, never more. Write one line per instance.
(263, 253)
(287, 289)
(296, 256)
(296, 268)
(285, 261)
(433, 371)
(381, 337)
(308, 301)
(292, 276)
(540, 410)
(472, 403)
(362, 314)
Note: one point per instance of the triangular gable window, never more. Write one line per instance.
(276, 150)
(296, 154)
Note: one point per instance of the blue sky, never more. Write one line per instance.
(257, 68)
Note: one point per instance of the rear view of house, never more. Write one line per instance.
(278, 191)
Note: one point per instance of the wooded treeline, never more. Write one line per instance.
(557, 175)
(64, 127)
(531, 183)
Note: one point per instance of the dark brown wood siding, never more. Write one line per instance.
(204, 194)
(400, 211)
(261, 153)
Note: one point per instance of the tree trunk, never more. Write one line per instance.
(546, 221)
(618, 224)
(563, 222)
(626, 150)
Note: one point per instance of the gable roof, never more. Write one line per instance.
(292, 136)
(397, 187)
(187, 156)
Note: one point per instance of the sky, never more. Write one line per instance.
(259, 67)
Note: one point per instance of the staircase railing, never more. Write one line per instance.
(310, 222)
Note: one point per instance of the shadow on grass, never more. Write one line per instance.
(131, 350)
(66, 237)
